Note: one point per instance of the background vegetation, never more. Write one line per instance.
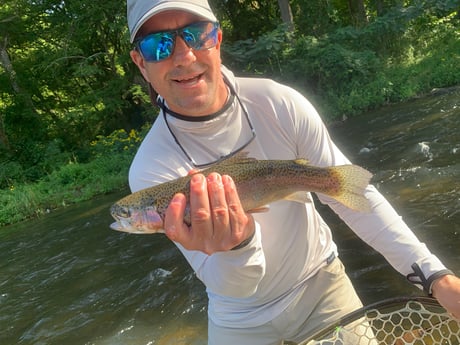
(73, 108)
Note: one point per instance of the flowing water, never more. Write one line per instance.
(68, 279)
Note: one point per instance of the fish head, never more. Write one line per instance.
(144, 220)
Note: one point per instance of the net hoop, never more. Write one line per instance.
(395, 321)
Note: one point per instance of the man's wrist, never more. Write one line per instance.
(418, 277)
(439, 282)
(245, 242)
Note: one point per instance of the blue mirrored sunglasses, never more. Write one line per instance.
(158, 46)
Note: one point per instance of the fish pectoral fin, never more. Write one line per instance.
(302, 197)
(260, 209)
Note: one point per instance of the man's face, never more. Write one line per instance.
(189, 80)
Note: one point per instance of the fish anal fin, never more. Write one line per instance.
(302, 197)
(261, 209)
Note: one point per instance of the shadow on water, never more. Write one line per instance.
(67, 279)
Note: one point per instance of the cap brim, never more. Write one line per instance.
(168, 6)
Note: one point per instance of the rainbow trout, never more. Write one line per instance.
(258, 182)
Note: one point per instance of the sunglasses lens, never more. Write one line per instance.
(159, 46)
(201, 35)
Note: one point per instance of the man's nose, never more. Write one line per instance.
(183, 54)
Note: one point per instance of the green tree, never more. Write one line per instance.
(66, 78)
(286, 14)
(247, 19)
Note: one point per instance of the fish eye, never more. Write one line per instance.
(125, 213)
(120, 211)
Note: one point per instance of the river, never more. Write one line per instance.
(66, 278)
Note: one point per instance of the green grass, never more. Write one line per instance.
(70, 184)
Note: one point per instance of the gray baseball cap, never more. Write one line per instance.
(139, 11)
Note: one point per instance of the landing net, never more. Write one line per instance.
(401, 321)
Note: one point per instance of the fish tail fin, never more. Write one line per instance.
(353, 180)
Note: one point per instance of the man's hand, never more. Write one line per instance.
(218, 221)
(446, 289)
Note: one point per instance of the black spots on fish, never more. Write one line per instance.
(119, 210)
(336, 181)
(353, 181)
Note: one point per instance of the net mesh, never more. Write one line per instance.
(413, 323)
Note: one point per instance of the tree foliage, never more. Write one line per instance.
(66, 77)
(70, 79)
(403, 48)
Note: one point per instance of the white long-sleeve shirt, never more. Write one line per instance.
(252, 285)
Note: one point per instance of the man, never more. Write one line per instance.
(269, 276)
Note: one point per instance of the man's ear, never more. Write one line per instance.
(140, 63)
(219, 39)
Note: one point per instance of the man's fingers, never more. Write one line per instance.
(237, 217)
(218, 203)
(174, 218)
(217, 219)
(199, 204)
(192, 172)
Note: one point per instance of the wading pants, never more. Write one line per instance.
(329, 296)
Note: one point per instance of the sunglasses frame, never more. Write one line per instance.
(195, 44)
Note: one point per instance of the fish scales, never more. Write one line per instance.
(259, 183)
(279, 179)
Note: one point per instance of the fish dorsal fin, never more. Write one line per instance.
(240, 157)
(302, 161)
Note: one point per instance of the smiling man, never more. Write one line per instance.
(191, 79)
(270, 276)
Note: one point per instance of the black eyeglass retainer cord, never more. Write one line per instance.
(233, 95)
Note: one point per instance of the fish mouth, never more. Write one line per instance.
(145, 221)
(123, 224)
(116, 226)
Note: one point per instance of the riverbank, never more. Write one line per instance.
(72, 183)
